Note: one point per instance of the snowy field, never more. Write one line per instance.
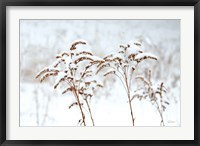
(42, 40)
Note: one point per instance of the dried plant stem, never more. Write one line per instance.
(162, 120)
(129, 98)
(161, 110)
(161, 115)
(127, 88)
(122, 83)
(90, 112)
(79, 104)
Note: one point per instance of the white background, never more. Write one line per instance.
(186, 131)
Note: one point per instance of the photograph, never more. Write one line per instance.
(99, 73)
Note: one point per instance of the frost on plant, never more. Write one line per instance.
(122, 64)
(75, 70)
(155, 93)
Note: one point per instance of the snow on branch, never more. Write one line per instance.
(122, 64)
(143, 79)
(73, 47)
(143, 56)
(68, 69)
(77, 70)
(155, 94)
(110, 71)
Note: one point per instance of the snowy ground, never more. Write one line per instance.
(41, 40)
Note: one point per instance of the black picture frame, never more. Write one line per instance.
(5, 3)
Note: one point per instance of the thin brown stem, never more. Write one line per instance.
(129, 100)
(90, 111)
(160, 109)
(162, 120)
(79, 104)
(129, 97)
(161, 115)
(122, 83)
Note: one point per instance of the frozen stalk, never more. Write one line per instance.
(122, 64)
(76, 68)
(154, 93)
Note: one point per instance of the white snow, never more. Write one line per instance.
(133, 50)
(117, 55)
(79, 40)
(133, 63)
(110, 70)
(96, 58)
(61, 75)
(89, 91)
(82, 56)
(89, 79)
(142, 55)
(40, 40)
(73, 66)
(83, 47)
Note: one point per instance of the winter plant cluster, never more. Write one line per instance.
(77, 70)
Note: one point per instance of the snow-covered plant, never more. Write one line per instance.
(122, 64)
(75, 70)
(155, 93)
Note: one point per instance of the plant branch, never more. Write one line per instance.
(89, 111)
(79, 104)
(129, 98)
(161, 116)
